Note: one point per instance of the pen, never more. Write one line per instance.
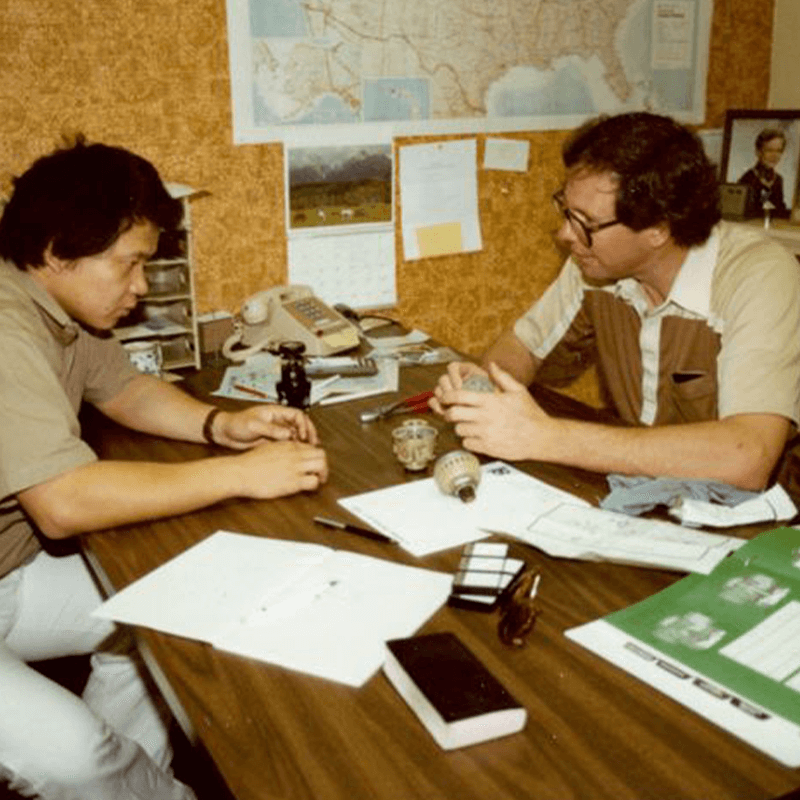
(240, 387)
(346, 526)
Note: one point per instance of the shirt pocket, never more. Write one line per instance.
(693, 396)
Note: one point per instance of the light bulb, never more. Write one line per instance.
(458, 473)
(478, 383)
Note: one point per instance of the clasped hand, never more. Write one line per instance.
(284, 456)
(241, 430)
(507, 423)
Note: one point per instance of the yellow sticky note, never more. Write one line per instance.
(438, 240)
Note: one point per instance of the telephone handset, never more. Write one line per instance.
(289, 313)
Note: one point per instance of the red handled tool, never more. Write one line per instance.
(410, 405)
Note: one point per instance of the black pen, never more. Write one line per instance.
(346, 526)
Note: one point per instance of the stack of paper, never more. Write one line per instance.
(302, 606)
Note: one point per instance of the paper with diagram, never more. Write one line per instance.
(595, 534)
(508, 501)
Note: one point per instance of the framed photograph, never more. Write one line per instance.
(329, 186)
(761, 152)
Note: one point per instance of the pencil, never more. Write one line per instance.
(250, 390)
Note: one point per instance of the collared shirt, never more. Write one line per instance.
(48, 366)
(725, 340)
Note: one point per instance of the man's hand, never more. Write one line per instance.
(451, 381)
(507, 424)
(276, 469)
(241, 430)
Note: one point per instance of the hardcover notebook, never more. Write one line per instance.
(457, 699)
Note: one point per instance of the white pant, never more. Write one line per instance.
(110, 745)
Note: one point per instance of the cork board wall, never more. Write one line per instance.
(152, 76)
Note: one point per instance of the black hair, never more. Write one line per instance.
(663, 172)
(78, 200)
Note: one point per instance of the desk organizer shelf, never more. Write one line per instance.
(167, 314)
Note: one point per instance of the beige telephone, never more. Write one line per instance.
(289, 313)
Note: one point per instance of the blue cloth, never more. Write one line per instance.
(636, 494)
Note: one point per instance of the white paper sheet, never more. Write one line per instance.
(423, 519)
(439, 190)
(198, 593)
(772, 734)
(302, 606)
(256, 381)
(341, 389)
(596, 534)
(506, 154)
(775, 504)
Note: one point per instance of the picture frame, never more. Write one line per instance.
(330, 186)
(740, 155)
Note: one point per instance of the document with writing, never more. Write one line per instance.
(423, 519)
(594, 534)
(724, 645)
(302, 606)
(508, 501)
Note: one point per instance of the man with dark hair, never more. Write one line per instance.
(692, 323)
(75, 236)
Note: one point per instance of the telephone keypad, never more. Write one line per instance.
(313, 314)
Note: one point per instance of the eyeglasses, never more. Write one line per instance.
(518, 611)
(583, 230)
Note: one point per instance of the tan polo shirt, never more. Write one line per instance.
(725, 341)
(48, 366)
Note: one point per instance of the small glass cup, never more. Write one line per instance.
(414, 444)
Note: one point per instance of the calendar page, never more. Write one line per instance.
(357, 269)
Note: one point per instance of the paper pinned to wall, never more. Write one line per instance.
(357, 269)
(506, 154)
(439, 193)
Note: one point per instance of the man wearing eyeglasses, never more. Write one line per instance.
(693, 323)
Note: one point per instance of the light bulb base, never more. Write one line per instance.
(466, 493)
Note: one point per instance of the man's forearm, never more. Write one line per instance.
(740, 451)
(159, 408)
(106, 494)
(510, 354)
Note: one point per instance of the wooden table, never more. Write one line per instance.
(594, 732)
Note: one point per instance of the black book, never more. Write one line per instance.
(457, 699)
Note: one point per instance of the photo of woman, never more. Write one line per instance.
(764, 183)
(761, 151)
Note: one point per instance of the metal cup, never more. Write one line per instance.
(414, 444)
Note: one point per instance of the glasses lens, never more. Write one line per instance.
(578, 226)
